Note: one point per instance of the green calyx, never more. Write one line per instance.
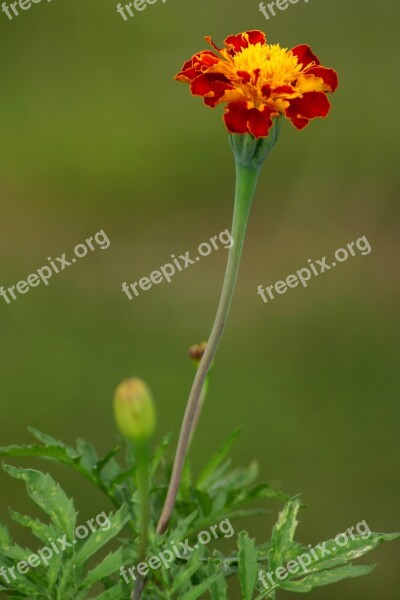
(251, 152)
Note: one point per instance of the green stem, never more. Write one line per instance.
(199, 406)
(246, 183)
(143, 485)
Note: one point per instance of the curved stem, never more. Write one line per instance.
(246, 183)
(199, 407)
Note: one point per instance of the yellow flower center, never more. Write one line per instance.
(278, 66)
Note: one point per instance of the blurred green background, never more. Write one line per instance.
(95, 134)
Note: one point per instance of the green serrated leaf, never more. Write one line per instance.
(217, 459)
(49, 440)
(159, 454)
(295, 550)
(183, 577)
(55, 452)
(20, 585)
(234, 480)
(109, 565)
(328, 559)
(315, 580)
(88, 454)
(44, 437)
(265, 490)
(204, 502)
(106, 459)
(243, 514)
(218, 589)
(121, 477)
(283, 533)
(40, 530)
(219, 473)
(66, 584)
(119, 592)
(330, 554)
(247, 565)
(5, 538)
(198, 590)
(102, 536)
(180, 532)
(49, 496)
(16, 553)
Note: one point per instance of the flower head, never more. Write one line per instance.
(258, 82)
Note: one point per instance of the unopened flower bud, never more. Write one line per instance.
(134, 410)
(196, 353)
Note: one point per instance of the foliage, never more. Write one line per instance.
(90, 567)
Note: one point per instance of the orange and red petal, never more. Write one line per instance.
(241, 118)
(329, 76)
(196, 65)
(305, 55)
(209, 39)
(310, 106)
(260, 121)
(235, 117)
(245, 76)
(283, 90)
(266, 90)
(212, 87)
(236, 43)
(278, 98)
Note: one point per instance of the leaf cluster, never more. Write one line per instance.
(89, 568)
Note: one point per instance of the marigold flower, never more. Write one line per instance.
(259, 82)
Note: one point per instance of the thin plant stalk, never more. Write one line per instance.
(199, 406)
(246, 183)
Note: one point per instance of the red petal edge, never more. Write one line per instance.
(211, 86)
(241, 119)
(305, 55)
(236, 43)
(311, 105)
(328, 75)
